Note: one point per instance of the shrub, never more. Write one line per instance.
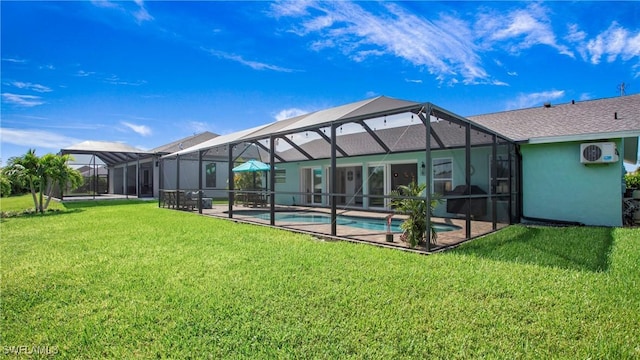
(632, 179)
(5, 185)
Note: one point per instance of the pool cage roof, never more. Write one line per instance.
(111, 153)
(380, 125)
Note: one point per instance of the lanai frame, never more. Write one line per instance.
(263, 140)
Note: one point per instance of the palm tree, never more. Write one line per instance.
(60, 174)
(412, 202)
(42, 174)
(25, 169)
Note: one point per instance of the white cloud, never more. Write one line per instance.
(36, 138)
(252, 64)
(105, 4)
(22, 100)
(445, 46)
(82, 73)
(574, 34)
(139, 12)
(115, 80)
(585, 96)
(533, 99)
(143, 130)
(499, 83)
(198, 126)
(289, 113)
(415, 81)
(518, 30)
(30, 86)
(14, 60)
(451, 47)
(290, 8)
(614, 42)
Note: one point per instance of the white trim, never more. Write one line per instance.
(584, 137)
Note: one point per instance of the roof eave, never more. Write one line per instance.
(583, 137)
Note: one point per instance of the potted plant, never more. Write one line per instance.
(412, 203)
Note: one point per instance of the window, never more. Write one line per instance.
(442, 175)
(281, 176)
(210, 175)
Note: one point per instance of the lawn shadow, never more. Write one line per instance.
(31, 213)
(574, 248)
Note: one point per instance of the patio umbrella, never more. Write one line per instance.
(252, 166)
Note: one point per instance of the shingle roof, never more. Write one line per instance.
(216, 141)
(611, 115)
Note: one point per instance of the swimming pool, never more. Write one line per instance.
(353, 221)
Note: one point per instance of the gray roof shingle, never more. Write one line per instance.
(611, 115)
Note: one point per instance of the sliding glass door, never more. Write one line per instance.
(376, 185)
(312, 186)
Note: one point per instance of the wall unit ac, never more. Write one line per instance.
(598, 153)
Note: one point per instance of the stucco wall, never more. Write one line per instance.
(555, 185)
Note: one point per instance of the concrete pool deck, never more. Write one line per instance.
(445, 240)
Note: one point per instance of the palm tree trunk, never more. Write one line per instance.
(49, 191)
(33, 194)
(41, 196)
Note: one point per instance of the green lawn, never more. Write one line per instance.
(18, 204)
(130, 280)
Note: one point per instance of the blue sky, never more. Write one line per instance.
(148, 73)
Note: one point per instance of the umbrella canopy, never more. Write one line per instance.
(252, 166)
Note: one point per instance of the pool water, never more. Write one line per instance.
(353, 221)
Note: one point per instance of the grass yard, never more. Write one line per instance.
(18, 204)
(131, 280)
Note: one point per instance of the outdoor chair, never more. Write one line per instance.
(187, 201)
